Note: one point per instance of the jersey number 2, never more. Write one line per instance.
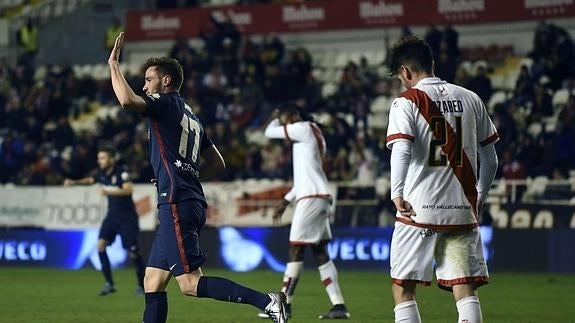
(188, 124)
(440, 138)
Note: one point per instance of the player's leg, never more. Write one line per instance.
(185, 257)
(411, 259)
(107, 235)
(129, 233)
(293, 270)
(291, 276)
(155, 282)
(405, 310)
(329, 277)
(462, 277)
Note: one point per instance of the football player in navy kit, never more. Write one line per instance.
(121, 217)
(181, 155)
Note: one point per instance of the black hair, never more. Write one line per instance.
(168, 66)
(291, 108)
(108, 150)
(412, 51)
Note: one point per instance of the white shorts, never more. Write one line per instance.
(310, 223)
(458, 256)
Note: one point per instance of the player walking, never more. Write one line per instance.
(312, 198)
(436, 132)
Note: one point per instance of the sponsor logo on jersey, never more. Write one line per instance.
(186, 167)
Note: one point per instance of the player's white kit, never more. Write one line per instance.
(446, 124)
(310, 189)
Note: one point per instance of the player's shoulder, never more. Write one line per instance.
(156, 97)
(162, 97)
(122, 172)
(462, 91)
(408, 97)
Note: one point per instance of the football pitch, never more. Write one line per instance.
(51, 295)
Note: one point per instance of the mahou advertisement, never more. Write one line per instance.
(338, 15)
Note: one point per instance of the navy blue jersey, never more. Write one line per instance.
(121, 204)
(177, 139)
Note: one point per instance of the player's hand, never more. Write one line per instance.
(279, 212)
(102, 191)
(115, 54)
(68, 182)
(405, 209)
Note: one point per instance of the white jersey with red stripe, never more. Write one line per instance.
(446, 124)
(309, 179)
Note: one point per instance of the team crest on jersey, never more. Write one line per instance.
(154, 96)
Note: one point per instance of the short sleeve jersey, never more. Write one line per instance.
(177, 139)
(309, 179)
(446, 124)
(121, 204)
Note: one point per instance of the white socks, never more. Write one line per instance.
(469, 310)
(407, 312)
(291, 277)
(328, 274)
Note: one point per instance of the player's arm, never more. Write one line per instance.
(212, 163)
(293, 132)
(126, 189)
(488, 163)
(281, 207)
(275, 130)
(126, 96)
(81, 181)
(400, 158)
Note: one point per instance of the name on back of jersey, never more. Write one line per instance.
(449, 106)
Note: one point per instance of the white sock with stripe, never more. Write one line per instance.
(291, 277)
(469, 310)
(328, 274)
(407, 312)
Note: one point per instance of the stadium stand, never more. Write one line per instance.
(52, 117)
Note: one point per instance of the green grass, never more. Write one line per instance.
(49, 295)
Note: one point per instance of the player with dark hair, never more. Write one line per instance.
(310, 192)
(121, 217)
(438, 132)
(181, 155)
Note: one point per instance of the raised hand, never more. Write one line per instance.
(115, 54)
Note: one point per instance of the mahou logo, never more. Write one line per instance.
(239, 18)
(368, 9)
(531, 4)
(149, 23)
(302, 14)
(450, 6)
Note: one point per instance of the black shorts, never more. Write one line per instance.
(127, 226)
(176, 245)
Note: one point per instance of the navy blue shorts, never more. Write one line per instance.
(126, 226)
(176, 245)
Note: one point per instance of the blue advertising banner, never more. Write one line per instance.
(236, 249)
(57, 249)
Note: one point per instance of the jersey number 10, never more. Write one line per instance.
(439, 128)
(188, 124)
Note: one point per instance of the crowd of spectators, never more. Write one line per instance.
(233, 83)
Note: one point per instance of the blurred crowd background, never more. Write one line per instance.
(233, 83)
